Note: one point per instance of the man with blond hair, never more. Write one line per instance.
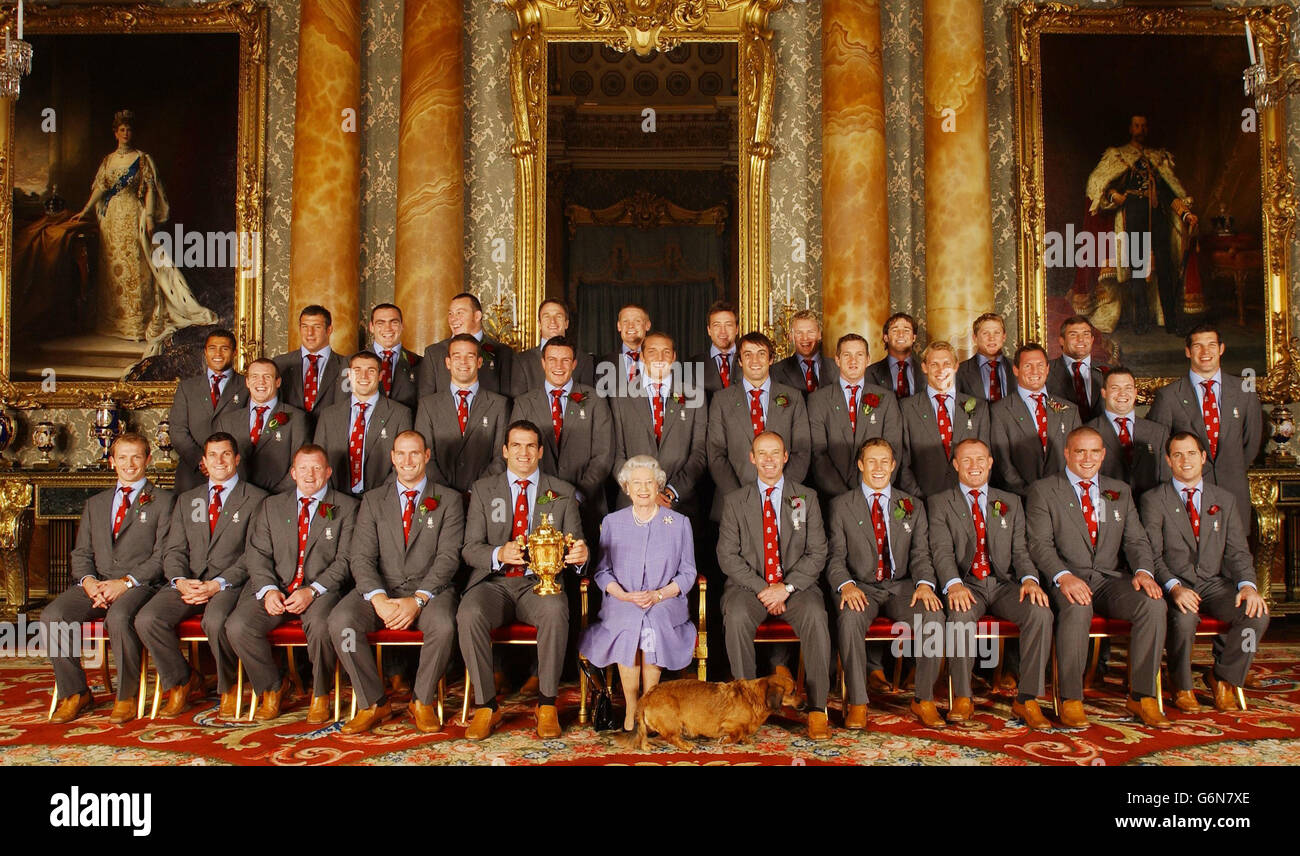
(934, 422)
(805, 369)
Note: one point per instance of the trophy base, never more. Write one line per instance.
(44, 465)
(1280, 460)
(166, 465)
(547, 586)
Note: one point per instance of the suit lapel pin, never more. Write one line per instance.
(428, 522)
(383, 433)
(970, 426)
(873, 417)
(907, 527)
(1116, 515)
(235, 401)
(144, 515)
(234, 517)
(683, 413)
(277, 436)
(1216, 526)
(1004, 522)
(1234, 413)
(1150, 451)
(582, 414)
(329, 534)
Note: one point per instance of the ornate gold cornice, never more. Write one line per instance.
(645, 210)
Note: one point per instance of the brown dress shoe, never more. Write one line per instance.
(1006, 683)
(178, 697)
(878, 683)
(229, 704)
(502, 683)
(927, 713)
(962, 709)
(548, 722)
(367, 719)
(1072, 715)
(819, 727)
(269, 708)
(398, 685)
(1031, 714)
(485, 719)
(319, 713)
(123, 711)
(531, 687)
(72, 707)
(1148, 711)
(1185, 700)
(856, 717)
(1225, 696)
(425, 716)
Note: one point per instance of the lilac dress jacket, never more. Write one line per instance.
(643, 558)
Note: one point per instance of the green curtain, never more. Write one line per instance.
(679, 309)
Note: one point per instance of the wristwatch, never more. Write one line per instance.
(789, 589)
(419, 601)
(129, 583)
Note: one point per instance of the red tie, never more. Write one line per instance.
(407, 514)
(1210, 411)
(809, 376)
(1081, 394)
(995, 381)
(557, 412)
(902, 388)
(214, 507)
(853, 408)
(1089, 513)
(882, 542)
(217, 377)
(1192, 514)
(1125, 439)
(121, 510)
(520, 524)
(657, 402)
(979, 569)
(635, 368)
(304, 524)
(945, 424)
(756, 410)
(310, 382)
(258, 423)
(1040, 416)
(462, 409)
(356, 444)
(771, 551)
(386, 372)
(724, 369)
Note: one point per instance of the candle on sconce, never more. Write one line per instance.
(1250, 42)
(20, 20)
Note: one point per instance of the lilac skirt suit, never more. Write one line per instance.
(643, 558)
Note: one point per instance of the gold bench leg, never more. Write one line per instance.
(469, 691)
(143, 690)
(54, 703)
(157, 695)
(582, 694)
(442, 695)
(239, 693)
(338, 691)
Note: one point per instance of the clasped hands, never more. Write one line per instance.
(295, 604)
(397, 613)
(102, 593)
(196, 592)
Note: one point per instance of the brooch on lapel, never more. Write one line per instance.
(903, 509)
(235, 517)
(1234, 413)
(1116, 515)
(329, 533)
(798, 510)
(383, 433)
(1000, 511)
(485, 422)
(491, 352)
(234, 399)
(1214, 510)
(668, 521)
(145, 499)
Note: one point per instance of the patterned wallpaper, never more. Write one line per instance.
(282, 79)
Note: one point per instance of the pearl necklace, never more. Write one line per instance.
(639, 522)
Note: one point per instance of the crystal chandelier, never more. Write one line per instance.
(17, 60)
(1266, 89)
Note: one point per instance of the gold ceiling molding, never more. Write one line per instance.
(643, 26)
(645, 210)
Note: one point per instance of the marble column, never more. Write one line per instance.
(855, 203)
(325, 236)
(958, 206)
(430, 169)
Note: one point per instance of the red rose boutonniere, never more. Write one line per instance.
(429, 504)
(782, 401)
(1057, 407)
(999, 508)
(549, 496)
(903, 508)
(1214, 509)
(277, 420)
(969, 406)
(326, 510)
(680, 399)
(491, 352)
(146, 498)
(1111, 495)
(870, 402)
(577, 397)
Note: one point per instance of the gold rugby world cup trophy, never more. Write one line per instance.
(545, 549)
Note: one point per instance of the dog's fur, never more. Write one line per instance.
(730, 712)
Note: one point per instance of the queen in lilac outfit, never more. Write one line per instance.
(646, 567)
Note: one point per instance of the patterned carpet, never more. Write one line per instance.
(1268, 733)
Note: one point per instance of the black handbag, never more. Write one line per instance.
(602, 709)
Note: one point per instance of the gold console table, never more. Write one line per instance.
(1275, 496)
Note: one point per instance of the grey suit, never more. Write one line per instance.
(267, 463)
(1060, 383)
(329, 383)
(704, 365)
(136, 552)
(192, 418)
(802, 547)
(924, 467)
(492, 599)
(1059, 541)
(790, 371)
(1148, 466)
(1241, 430)
(334, 432)
(272, 561)
(853, 558)
(681, 451)
(1018, 458)
(381, 559)
(405, 388)
(193, 552)
(731, 433)
(495, 375)
(879, 374)
(953, 541)
(970, 380)
(526, 372)
(835, 442)
(459, 459)
(1214, 566)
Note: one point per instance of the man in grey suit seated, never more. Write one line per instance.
(503, 508)
(297, 559)
(981, 558)
(772, 547)
(1203, 561)
(117, 564)
(464, 424)
(405, 552)
(1079, 521)
(880, 563)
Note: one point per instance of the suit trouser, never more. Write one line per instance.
(249, 625)
(74, 607)
(892, 598)
(354, 617)
(1113, 597)
(1234, 651)
(1002, 599)
(497, 601)
(805, 611)
(156, 624)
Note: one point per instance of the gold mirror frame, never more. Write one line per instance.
(248, 20)
(643, 26)
(1272, 31)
